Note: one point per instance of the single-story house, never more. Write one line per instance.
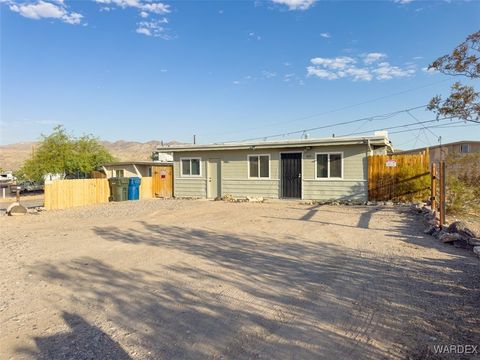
(438, 152)
(316, 169)
(131, 168)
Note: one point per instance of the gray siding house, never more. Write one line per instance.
(313, 169)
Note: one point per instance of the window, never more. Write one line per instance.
(465, 148)
(150, 172)
(259, 166)
(119, 173)
(190, 167)
(329, 166)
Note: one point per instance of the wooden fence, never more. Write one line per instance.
(146, 189)
(398, 177)
(63, 194)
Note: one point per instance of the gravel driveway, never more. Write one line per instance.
(172, 279)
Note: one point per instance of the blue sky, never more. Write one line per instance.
(225, 70)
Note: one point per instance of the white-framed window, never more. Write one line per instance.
(329, 165)
(150, 171)
(190, 167)
(119, 173)
(465, 148)
(259, 166)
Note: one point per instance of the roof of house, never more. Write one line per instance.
(141, 162)
(376, 140)
(443, 145)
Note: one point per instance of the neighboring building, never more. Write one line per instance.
(131, 168)
(319, 169)
(439, 152)
(162, 157)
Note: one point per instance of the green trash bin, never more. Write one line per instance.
(118, 189)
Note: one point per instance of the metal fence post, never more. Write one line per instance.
(433, 188)
(442, 193)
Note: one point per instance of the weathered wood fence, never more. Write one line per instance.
(398, 177)
(63, 194)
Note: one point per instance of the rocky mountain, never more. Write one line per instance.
(12, 156)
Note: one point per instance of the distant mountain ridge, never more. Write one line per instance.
(12, 156)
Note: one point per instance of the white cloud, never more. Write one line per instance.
(153, 28)
(150, 9)
(321, 73)
(358, 74)
(370, 58)
(144, 31)
(55, 9)
(326, 35)
(402, 2)
(340, 62)
(268, 74)
(47, 122)
(348, 67)
(429, 71)
(142, 5)
(254, 36)
(296, 4)
(385, 71)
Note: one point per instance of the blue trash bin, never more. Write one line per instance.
(134, 188)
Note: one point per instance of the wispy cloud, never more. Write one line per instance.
(370, 58)
(429, 71)
(153, 28)
(326, 35)
(295, 4)
(155, 11)
(54, 9)
(402, 2)
(142, 5)
(268, 74)
(252, 35)
(47, 122)
(348, 67)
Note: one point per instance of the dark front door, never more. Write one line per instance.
(292, 175)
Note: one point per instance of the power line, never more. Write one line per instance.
(401, 126)
(370, 118)
(444, 126)
(340, 108)
(416, 119)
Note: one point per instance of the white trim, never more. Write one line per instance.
(199, 165)
(280, 172)
(269, 167)
(207, 173)
(328, 178)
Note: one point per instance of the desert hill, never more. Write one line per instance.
(12, 156)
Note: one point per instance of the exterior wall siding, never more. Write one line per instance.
(234, 174)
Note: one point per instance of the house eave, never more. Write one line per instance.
(374, 140)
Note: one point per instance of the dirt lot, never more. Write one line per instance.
(211, 280)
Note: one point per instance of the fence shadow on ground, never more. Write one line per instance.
(249, 296)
